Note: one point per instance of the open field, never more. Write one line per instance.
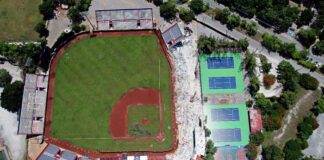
(18, 19)
(92, 75)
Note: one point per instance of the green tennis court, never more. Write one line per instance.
(218, 127)
(221, 79)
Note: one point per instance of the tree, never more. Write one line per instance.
(5, 78)
(83, 5)
(307, 37)
(168, 10)
(319, 48)
(252, 151)
(271, 42)
(287, 49)
(207, 132)
(322, 68)
(11, 96)
(254, 85)
(262, 102)
(197, 6)
(222, 16)
(206, 44)
(287, 75)
(186, 15)
(272, 152)
(305, 17)
(308, 82)
(257, 138)
(318, 107)
(287, 98)
(250, 63)
(47, 9)
(243, 44)
(78, 28)
(157, 2)
(210, 150)
(269, 80)
(233, 21)
(41, 29)
(251, 29)
(321, 35)
(292, 150)
(75, 16)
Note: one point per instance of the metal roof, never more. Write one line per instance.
(172, 35)
(33, 107)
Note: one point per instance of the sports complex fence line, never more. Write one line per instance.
(60, 46)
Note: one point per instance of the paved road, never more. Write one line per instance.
(282, 36)
(253, 44)
(56, 27)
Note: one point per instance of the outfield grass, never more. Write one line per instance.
(18, 19)
(92, 74)
(135, 116)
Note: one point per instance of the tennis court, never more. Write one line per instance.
(221, 118)
(221, 73)
(220, 62)
(222, 83)
(225, 114)
(230, 153)
(227, 135)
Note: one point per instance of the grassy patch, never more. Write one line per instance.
(18, 19)
(92, 75)
(143, 121)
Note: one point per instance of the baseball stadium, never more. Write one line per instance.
(111, 92)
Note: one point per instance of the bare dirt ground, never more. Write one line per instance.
(293, 117)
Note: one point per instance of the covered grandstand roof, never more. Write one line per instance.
(33, 106)
(124, 19)
(172, 35)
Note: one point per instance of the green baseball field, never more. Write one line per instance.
(91, 76)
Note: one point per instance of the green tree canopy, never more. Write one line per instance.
(5, 77)
(75, 16)
(308, 82)
(168, 10)
(206, 44)
(197, 6)
(41, 29)
(11, 96)
(47, 9)
(233, 21)
(292, 150)
(272, 152)
(305, 17)
(307, 37)
(186, 15)
(319, 48)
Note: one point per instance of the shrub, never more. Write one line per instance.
(5, 77)
(233, 21)
(308, 64)
(252, 151)
(319, 48)
(186, 15)
(254, 85)
(206, 44)
(157, 2)
(269, 80)
(256, 138)
(308, 82)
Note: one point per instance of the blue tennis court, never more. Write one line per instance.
(225, 114)
(220, 62)
(227, 135)
(222, 82)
